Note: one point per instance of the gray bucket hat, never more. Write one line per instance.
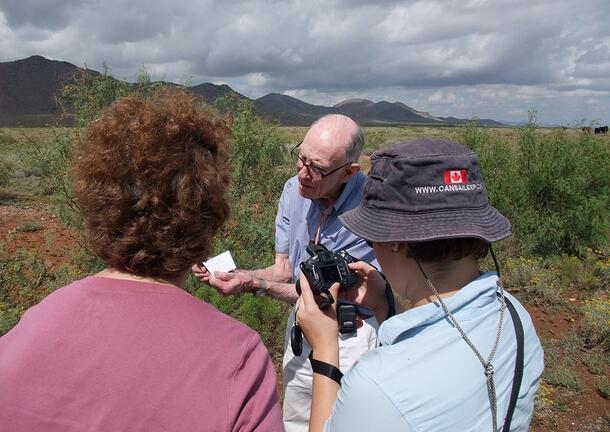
(425, 190)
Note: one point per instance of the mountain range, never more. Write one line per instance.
(29, 90)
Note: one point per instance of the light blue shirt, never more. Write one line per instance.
(298, 219)
(426, 378)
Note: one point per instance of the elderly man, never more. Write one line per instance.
(328, 183)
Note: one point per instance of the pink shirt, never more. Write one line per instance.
(113, 355)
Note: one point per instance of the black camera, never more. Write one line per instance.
(325, 267)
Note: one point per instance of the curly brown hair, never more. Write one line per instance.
(150, 178)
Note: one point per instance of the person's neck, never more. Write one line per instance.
(177, 280)
(447, 278)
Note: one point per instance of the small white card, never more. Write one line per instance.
(223, 262)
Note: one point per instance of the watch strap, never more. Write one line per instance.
(261, 291)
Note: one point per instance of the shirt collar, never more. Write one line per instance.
(478, 293)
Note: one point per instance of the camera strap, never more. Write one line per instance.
(519, 335)
(389, 296)
(514, 394)
(325, 369)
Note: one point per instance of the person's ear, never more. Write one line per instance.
(350, 170)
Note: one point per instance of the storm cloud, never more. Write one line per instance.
(483, 58)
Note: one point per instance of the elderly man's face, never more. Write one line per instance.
(322, 168)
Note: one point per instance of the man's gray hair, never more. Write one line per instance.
(355, 146)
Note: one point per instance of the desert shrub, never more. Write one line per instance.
(534, 281)
(499, 168)
(6, 139)
(596, 361)
(89, 93)
(543, 404)
(562, 376)
(559, 356)
(552, 186)
(568, 192)
(595, 326)
(603, 387)
(28, 226)
(47, 159)
(6, 172)
(9, 317)
(589, 272)
(7, 167)
(25, 279)
(261, 165)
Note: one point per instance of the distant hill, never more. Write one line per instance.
(482, 122)
(210, 92)
(366, 112)
(29, 90)
(290, 111)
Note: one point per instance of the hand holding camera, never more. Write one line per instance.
(324, 268)
(319, 326)
(321, 272)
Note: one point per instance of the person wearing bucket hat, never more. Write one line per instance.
(455, 361)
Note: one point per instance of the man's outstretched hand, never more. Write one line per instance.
(225, 283)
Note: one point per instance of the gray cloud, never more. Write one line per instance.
(452, 57)
(45, 14)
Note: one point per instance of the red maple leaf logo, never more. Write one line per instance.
(456, 177)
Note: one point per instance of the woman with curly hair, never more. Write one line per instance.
(128, 348)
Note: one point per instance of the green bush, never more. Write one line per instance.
(9, 317)
(568, 191)
(589, 272)
(28, 226)
(261, 165)
(7, 168)
(89, 93)
(48, 159)
(552, 186)
(595, 327)
(534, 281)
(562, 376)
(25, 279)
(6, 172)
(596, 361)
(603, 387)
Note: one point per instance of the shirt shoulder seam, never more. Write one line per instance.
(238, 367)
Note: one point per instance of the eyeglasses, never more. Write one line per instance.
(314, 171)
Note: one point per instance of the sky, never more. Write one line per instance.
(464, 58)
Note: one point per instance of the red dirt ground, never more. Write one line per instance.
(585, 411)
